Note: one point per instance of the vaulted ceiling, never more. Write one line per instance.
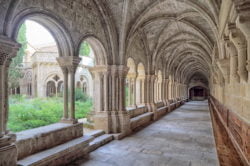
(181, 33)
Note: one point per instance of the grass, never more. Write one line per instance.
(31, 113)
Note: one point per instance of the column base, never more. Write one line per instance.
(102, 121)
(8, 150)
(69, 121)
(152, 108)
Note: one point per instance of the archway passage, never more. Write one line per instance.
(149, 58)
(198, 93)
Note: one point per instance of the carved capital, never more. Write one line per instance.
(8, 49)
(64, 69)
(237, 37)
(69, 62)
(122, 70)
(230, 46)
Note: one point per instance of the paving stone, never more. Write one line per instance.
(182, 138)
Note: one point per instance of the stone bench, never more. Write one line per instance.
(133, 112)
(172, 106)
(162, 111)
(141, 120)
(59, 155)
(31, 141)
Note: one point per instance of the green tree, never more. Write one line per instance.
(15, 72)
(85, 49)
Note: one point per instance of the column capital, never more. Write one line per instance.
(230, 46)
(237, 37)
(69, 62)
(8, 49)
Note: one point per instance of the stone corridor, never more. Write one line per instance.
(181, 138)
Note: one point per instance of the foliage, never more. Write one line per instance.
(80, 96)
(31, 113)
(14, 69)
(84, 49)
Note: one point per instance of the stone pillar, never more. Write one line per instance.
(109, 100)
(69, 65)
(65, 94)
(6, 94)
(165, 91)
(149, 95)
(8, 151)
(240, 43)
(170, 89)
(243, 23)
(123, 123)
(234, 77)
(102, 84)
(72, 70)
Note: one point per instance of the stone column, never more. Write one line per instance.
(102, 85)
(243, 23)
(240, 43)
(8, 151)
(72, 70)
(149, 95)
(6, 94)
(234, 77)
(134, 92)
(170, 89)
(69, 65)
(123, 123)
(65, 94)
(164, 91)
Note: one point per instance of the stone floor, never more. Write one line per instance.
(181, 138)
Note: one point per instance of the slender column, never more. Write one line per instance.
(134, 91)
(138, 91)
(234, 77)
(122, 72)
(150, 102)
(243, 23)
(65, 93)
(72, 70)
(170, 90)
(2, 94)
(6, 95)
(143, 91)
(240, 43)
(69, 65)
(165, 91)
(8, 49)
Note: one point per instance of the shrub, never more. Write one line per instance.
(31, 113)
(80, 96)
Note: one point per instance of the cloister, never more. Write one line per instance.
(171, 82)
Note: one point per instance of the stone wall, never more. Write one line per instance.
(238, 130)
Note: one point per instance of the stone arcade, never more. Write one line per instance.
(165, 52)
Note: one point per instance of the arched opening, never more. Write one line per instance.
(37, 78)
(90, 94)
(51, 89)
(198, 93)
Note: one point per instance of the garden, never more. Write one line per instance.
(27, 113)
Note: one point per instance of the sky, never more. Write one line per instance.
(37, 34)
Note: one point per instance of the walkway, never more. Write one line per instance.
(181, 138)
